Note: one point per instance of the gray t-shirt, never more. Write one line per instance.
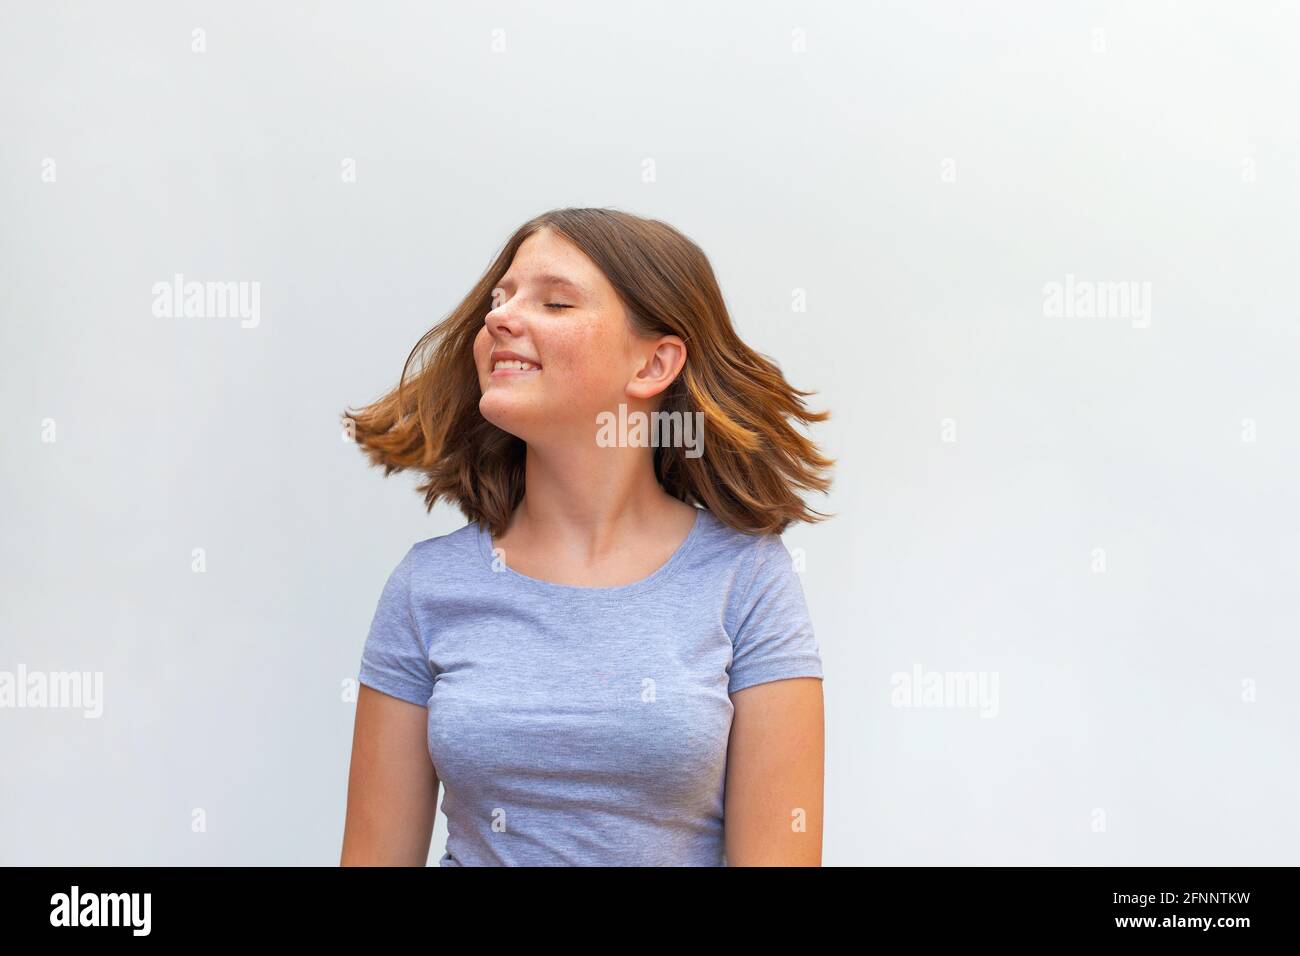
(586, 726)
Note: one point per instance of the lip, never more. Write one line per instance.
(505, 355)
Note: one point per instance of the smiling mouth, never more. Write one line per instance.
(513, 366)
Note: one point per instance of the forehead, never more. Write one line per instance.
(547, 259)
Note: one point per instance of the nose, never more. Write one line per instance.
(502, 320)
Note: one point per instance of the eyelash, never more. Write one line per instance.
(549, 305)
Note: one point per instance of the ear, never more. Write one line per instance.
(662, 364)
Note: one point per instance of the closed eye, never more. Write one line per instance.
(557, 305)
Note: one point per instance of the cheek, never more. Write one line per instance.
(482, 346)
(589, 364)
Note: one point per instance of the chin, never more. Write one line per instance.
(508, 413)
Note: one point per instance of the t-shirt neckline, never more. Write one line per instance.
(655, 578)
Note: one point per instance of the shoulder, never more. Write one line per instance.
(765, 616)
(461, 543)
(747, 563)
(743, 552)
(441, 558)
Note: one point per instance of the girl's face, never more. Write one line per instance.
(556, 313)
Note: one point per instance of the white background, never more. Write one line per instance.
(921, 171)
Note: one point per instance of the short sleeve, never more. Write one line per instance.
(773, 637)
(394, 659)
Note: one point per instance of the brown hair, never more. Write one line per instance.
(755, 462)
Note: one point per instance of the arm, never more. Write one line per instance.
(392, 784)
(775, 767)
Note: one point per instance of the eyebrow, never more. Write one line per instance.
(550, 278)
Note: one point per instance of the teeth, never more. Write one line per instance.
(514, 364)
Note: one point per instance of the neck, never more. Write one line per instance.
(592, 497)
